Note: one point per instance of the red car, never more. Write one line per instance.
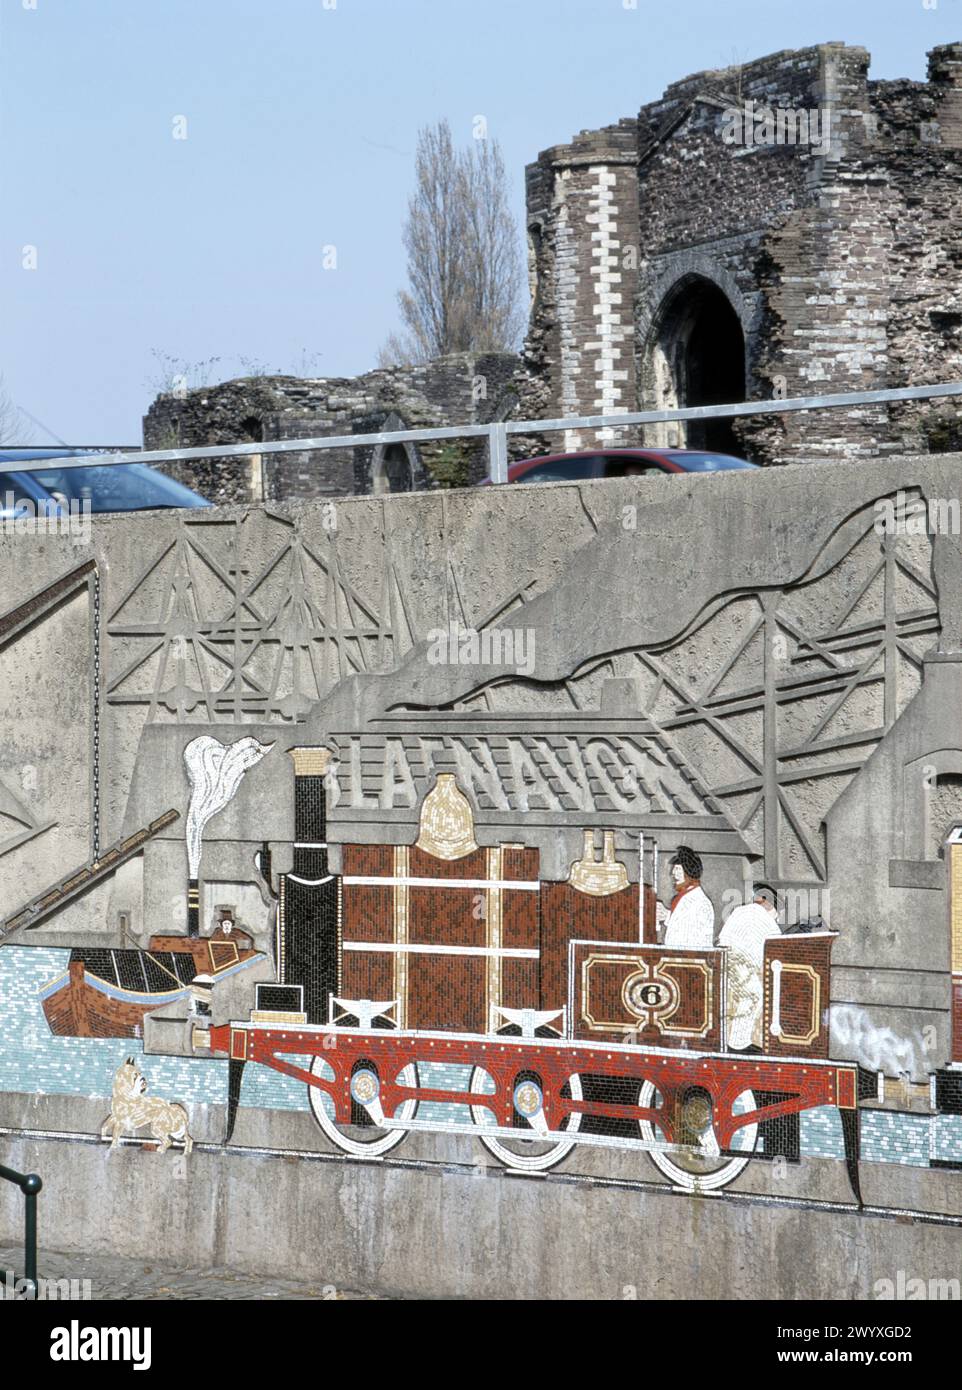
(620, 463)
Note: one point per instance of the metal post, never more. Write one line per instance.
(654, 880)
(257, 467)
(498, 452)
(30, 1186)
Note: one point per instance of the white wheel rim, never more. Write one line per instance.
(669, 1164)
(387, 1139)
(524, 1162)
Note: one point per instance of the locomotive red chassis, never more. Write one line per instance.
(802, 1085)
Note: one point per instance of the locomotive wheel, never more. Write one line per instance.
(524, 1154)
(365, 1140)
(709, 1170)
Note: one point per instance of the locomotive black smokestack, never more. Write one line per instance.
(310, 812)
(309, 891)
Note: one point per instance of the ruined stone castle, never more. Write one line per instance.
(783, 228)
(463, 389)
(690, 256)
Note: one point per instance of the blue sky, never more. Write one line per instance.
(301, 122)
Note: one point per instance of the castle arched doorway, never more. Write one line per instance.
(697, 358)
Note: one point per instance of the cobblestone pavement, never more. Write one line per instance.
(112, 1276)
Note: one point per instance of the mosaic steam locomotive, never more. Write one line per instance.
(443, 974)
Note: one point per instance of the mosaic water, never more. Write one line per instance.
(32, 1060)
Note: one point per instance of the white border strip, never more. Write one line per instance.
(392, 948)
(523, 885)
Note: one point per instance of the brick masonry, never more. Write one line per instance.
(466, 388)
(838, 261)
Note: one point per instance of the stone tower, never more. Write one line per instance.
(787, 227)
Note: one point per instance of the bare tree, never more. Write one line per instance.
(463, 254)
(495, 278)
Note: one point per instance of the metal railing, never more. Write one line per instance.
(498, 431)
(30, 1185)
(87, 449)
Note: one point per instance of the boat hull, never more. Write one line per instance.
(82, 1004)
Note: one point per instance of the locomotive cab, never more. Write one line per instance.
(682, 997)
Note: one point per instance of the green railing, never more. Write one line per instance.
(29, 1184)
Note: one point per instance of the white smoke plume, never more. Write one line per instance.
(215, 771)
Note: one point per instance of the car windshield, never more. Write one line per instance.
(708, 463)
(117, 487)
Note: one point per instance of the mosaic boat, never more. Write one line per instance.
(107, 993)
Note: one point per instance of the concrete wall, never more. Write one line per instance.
(740, 663)
(458, 1231)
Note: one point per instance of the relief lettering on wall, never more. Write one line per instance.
(516, 773)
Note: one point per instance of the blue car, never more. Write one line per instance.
(109, 487)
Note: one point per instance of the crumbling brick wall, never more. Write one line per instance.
(463, 389)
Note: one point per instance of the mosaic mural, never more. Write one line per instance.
(566, 917)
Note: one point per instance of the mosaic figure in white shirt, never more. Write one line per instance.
(690, 920)
(744, 933)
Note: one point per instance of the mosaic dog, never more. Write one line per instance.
(133, 1109)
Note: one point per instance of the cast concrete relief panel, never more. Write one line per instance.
(611, 829)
